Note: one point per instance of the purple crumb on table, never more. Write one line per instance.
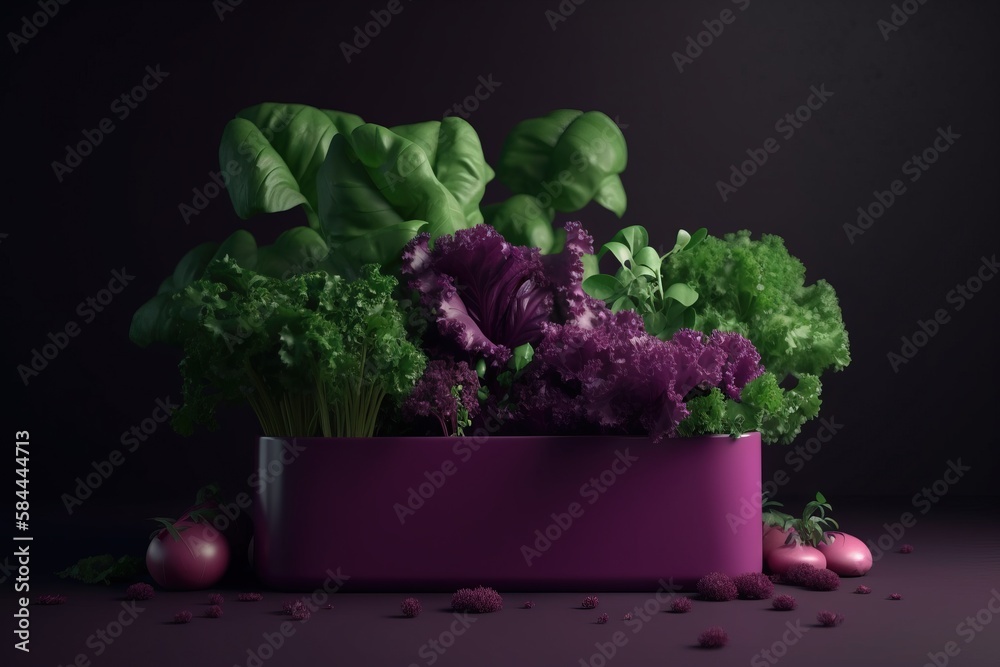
(714, 637)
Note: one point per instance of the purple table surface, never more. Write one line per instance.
(949, 614)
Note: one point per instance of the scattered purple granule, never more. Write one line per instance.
(714, 637)
(288, 605)
(799, 574)
(775, 578)
(529, 604)
(249, 597)
(139, 592)
(183, 617)
(411, 607)
(216, 599)
(680, 605)
(215, 611)
(754, 586)
(823, 580)
(895, 596)
(784, 603)
(862, 590)
(590, 602)
(300, 612)
(329, 606)
(627, 617)
(828, 619)
(603, 618)
(718, 587)
(50, 599)
(480, 600)
(906, 549)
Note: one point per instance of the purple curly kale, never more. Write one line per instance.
(487, 296)
(565, 270)
(580, 375)
(616, 376)
(479, 600)
(742, 362)
(446, 391)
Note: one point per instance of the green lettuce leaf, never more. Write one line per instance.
(379, 184)
(277, 150)
(566, 159)
(104, 569)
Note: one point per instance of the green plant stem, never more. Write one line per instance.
(262, 404)
(323, 411)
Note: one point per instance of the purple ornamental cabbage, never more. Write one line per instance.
(489, 296)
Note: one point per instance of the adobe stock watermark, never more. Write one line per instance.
(778, 649)
(914, 168)
(713, 30)
(957, 298)
(32, 23)
(121, 107)
(435, 647)
(87, 310)
(786, 126)
(641, 616)
(923, 500)
(469, 104)
(580, 159)
(272, 642)
(363, 35)
(898, 17)
(103, 638)
(217, 182)
(215, 185)
(223, 7)
(591, 491)
(130, 440)
(796, 459)
(969, 629)
(434, 480)
(561, 13)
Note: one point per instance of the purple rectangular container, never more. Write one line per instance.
(597, 513)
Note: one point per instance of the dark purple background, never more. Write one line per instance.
(120, 207)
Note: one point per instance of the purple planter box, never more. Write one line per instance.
(515, 513)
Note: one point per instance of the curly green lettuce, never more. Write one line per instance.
(757, 289)
(312, 354)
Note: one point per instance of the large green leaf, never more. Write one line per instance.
(277, 150)
(522, 220)
(568, 157)
(611, 195)
(527, 151)
(456, 157)
(297, 250)
(377, 183)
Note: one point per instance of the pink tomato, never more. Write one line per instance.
(846, 555)
(785, 556)
(197, 560)
(774, 537)
(230, 518)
